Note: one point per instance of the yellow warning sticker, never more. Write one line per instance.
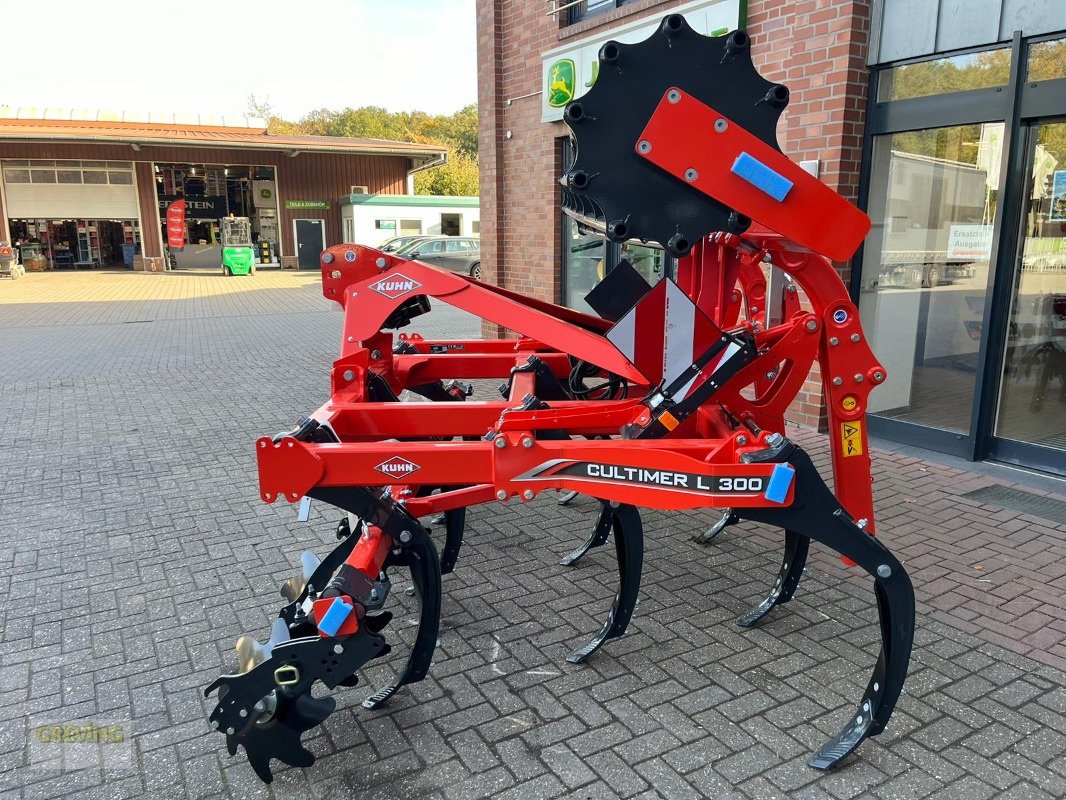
(851, 438)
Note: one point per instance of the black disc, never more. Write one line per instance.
(626, 195)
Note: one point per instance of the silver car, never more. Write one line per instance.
(453, 253)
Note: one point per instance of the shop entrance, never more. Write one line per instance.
(76, 243)
(963, 283)
(310, 241)
(212, 192)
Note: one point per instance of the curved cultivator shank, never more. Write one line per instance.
(672, 396)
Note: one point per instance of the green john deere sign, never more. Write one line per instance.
(561, 77)
(305, 205)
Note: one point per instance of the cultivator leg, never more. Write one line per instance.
(792, 564)
(629, 550)
(597, 538)
(820, 517)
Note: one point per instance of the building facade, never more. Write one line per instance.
(91, 189)
(941, 118)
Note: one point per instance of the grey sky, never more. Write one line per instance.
(208, 57)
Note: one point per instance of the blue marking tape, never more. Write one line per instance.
(780, 481)
(337, 613)
(761, 177)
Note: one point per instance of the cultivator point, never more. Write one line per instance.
(671, 397)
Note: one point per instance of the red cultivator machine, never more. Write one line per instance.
(673, 397)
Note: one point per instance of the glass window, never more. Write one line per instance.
(44, 163)
(458, 246)
(410, 227)
(1033, 390)
(16, 162)
(584, 264)
(93, 164)
(942, 75)
(926, 265)
(589, 8)
(43, 175)
(93, 176)
(17, 175)
(428, 248)
(68, 175)
(121, 178)
(1047, 61)
(475, 227)
(648, 261)
(118, 164)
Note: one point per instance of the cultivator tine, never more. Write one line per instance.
(425, 567)
(597, 538)
(728, 518)
(629, 549)
(792, 564)
(821, 518)
(454, 523)
(566, 498)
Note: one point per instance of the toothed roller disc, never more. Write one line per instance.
(625, 195)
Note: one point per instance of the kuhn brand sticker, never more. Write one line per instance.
(395, 285)
(397, 467)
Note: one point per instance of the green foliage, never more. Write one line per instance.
(457, 132)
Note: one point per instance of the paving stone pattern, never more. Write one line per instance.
(134, 550)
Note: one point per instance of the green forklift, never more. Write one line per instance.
(238, 251)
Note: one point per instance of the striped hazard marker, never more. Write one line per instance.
(664, 334)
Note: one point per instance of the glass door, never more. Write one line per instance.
(1030, 422)
(925, 275)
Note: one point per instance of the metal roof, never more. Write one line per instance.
(137, 134)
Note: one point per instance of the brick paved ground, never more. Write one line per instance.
(133, 551)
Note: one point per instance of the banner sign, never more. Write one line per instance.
(1058, 197)
(197, 206)
(304, 205)
(176, 223)
(569, 71)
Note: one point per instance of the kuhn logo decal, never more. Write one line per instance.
(395, 285)
(397, 467)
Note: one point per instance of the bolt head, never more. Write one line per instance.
(742, 440)
(812, 325)
(859, 377)
(527, 443)
(381, 263)
(351, 338)
(243, 712)
(855, 337)
(720, 125)
(884, 571)
(691, 174)
(838, 381)
(834, 341)
(528, 494)
(673, 96)
(336, 274)
(375, 354)
(501, 442)
(501, 495)
(230, 731)
(338, 649)
(644, 146)
(405, 536)
(879, 376)
(349, 375)
(771, 375)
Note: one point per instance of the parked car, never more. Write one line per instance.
(454, 253)
(396, 242)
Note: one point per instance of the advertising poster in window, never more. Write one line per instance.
(1058, 197)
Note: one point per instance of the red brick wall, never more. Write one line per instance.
(816, 47)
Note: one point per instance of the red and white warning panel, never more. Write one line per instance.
(664, 334)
